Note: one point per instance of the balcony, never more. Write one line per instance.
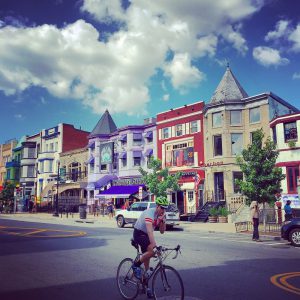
(12, 164)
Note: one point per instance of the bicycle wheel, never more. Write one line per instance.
(167, 284)
(127, 283)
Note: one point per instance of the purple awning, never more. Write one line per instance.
(123, 138)
(137, 136)
(91, 160)
(137, 154)
(105, 180)
(149, 135)
(91, 145)
(149, 152)
(118, 191)
(123, 155)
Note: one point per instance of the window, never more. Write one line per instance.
(124, 162)
(236, 143)
(103, 167)
(290, 131)
(51, 147)
(31, 152)
(236, 175)
(179, 130)
(136, 161)
(235, 117)
(292, 174)
(190, 196)
(50, 165)
(218, 145)
(254, 115)
(30, 171)
(217, 119)
(193, 126)
(42, 166)
(274, 134)
(166, 133)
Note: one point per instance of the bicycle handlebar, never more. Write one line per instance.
(161, 249)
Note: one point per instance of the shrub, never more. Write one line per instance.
(213, 212)
(223, 211)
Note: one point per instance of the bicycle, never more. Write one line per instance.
(166, 281)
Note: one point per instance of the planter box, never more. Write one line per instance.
(212, 219)
(223, 219)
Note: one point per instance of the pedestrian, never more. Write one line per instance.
(288, 211)
(110, 210)
(254, 213)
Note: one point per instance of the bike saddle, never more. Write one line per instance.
(134, 244)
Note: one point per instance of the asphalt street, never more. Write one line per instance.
(48, 261)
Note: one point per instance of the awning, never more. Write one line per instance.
(118, 191)
(149, 135)
(91, 160)
(123, 155)
(137, 154)
(123, 138)
(137, 136)
(187, 186)
(149, 152)
(104, 180)
(91, 145)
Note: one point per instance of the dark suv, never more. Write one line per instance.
(290, 231)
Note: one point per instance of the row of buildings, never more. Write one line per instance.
(199, 140)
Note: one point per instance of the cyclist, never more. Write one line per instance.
(143, 234)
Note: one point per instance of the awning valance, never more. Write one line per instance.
(187, 186)
(118, 191)
(149, 152)
(137, 136)
(123, 155)
(149, 135)
(137, 154)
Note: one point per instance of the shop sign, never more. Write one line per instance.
(128, 181)
(213, 164)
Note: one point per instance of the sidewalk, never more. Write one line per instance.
(100, 221)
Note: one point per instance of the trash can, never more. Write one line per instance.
(82, 211)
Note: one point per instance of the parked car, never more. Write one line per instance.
(131, 214)
(290, 231)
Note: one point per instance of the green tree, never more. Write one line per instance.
(262, 180)
(8, 191)
(158, 180)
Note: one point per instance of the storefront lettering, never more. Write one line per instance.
(213, 164)
(128, 181)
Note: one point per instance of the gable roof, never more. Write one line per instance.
(105, 125)
(228, 89)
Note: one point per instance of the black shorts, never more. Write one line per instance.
(142, 239)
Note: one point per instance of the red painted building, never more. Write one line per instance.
(180, 147)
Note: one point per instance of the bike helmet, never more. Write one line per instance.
(162, 201)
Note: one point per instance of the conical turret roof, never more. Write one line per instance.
(105, 125)
(228, 89)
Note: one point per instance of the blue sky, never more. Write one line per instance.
(67, 61)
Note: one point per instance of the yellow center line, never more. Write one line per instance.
(33, 232)
(283, 284)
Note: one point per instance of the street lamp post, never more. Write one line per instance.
(57, 184)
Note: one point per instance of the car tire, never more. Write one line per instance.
(120, 221)
(294, 237)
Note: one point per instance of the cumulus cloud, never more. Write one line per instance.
(281, 29)
(166, 97)
(267, 56)
(296, 76)
(181, 71)
(295, 39)
(74, 62)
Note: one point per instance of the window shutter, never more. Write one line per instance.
(187, 128)
(199, 125)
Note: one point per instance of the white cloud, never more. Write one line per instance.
(296, 76)
(281, 29)
(268, 57)
(166, 97)
(181, 71)
(18, 116)
(73, 62)
(295, 38)
(234, 36)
